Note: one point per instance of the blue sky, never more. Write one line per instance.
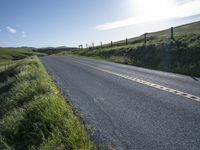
(42, 23)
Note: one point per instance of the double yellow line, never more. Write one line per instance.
(150, 84)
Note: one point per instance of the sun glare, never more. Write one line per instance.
(153, 8)
(143, 11)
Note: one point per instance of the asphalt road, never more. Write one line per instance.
(128, 107)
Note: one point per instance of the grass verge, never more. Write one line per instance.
(33, 112)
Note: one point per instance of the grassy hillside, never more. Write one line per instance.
(161, 36)
(180, 54)
(10, 54)
(33, 112)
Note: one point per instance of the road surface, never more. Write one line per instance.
(128, 107)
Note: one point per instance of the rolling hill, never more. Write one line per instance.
(180, 54)
(11, 54)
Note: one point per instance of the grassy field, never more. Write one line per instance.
(33, 112)
(8, 55)
(179, 55)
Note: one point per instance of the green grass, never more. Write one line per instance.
(8, 55)
(179, 55)
(161, 36)
(33, 112)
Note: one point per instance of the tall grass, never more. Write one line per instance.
(33, 112)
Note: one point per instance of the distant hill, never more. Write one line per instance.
(11, 54)
(53, 50)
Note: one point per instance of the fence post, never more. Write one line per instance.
(86, 45)
(101, 44)
(111, 43)
(145, 38)
(93, 44)
(172, 32)
(126, 41)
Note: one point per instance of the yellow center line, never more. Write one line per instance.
(150, 84)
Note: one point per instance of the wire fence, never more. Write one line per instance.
(146, 37)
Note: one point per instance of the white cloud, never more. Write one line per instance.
(11, 30)
(23, 34)
(155, 10)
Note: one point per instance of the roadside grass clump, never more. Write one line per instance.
(33, 112)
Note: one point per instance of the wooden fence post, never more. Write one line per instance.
(126, 41)
(145, 38)
(111, 43)
(172, 33)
